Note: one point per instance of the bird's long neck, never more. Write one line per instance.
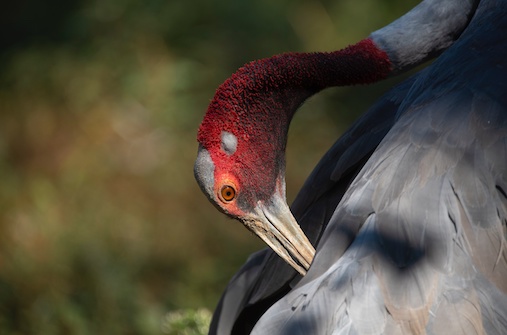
(296, 76)
(361, 63)
(270, 90)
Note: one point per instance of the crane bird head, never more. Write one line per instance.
(240, 164)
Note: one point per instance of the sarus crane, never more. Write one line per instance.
(407, 211)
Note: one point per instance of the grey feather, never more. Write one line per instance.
(408, 41)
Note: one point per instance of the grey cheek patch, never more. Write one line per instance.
(204, 171)
(229, 142)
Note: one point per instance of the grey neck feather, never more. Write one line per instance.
(424, 32)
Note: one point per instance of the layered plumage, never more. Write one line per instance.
(408, 210)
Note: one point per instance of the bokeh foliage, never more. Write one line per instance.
(103, 229)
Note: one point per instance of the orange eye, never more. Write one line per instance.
(227, 193)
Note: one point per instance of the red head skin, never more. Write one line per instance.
(257, 103)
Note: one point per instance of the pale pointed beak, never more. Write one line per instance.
(274, 223)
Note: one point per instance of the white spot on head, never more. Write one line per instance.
(229, 142)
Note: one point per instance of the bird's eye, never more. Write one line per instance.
(227, 193)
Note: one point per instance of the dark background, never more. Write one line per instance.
(103, 229)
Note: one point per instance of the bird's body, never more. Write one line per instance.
(408, 210)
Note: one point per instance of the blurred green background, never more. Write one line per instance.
(103, 229)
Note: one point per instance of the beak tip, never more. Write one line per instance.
(276, 226)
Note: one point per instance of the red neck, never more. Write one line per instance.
(289, 79)
(362, 63)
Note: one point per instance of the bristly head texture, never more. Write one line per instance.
(255, 106)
